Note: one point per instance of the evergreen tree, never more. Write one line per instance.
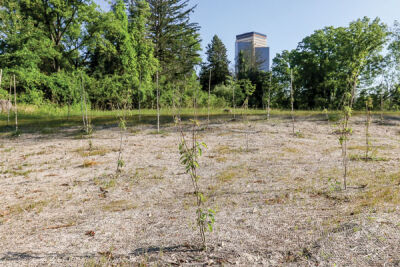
(176, 39)
(218, 64)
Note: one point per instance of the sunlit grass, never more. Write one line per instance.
(45, 119)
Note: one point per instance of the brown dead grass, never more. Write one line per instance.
(118, 205)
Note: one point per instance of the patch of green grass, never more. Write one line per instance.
(358, 157)
(105, 183)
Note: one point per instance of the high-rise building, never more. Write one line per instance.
(255, 49)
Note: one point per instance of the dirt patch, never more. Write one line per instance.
(279, 198)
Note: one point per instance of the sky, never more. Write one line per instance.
(285, 22)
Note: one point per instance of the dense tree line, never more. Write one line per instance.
(56, 47)
(333, 61)
(142, 50)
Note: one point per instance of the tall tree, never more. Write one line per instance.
(41, 39)
(363, 39)
(175, 37)
(217, 64)
(113, 58)
(139, 13)
(333, 61)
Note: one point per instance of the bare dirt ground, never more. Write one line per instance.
(279, 203)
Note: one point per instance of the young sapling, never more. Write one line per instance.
(368, 107)
(190, 153)
(344, 133)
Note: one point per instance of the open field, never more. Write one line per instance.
(278, 203)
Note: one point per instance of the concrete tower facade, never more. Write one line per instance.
(254, 46)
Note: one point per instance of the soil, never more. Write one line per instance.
(279, 197)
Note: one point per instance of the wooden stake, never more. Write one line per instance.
(158, 104)
(209, 93)
(9, 101)
(15, 108)
(83, 114)
(292, 98)
(269, 95)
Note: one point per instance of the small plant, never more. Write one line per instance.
(334, 185)
(299, 134)
(344, 133)
(368, 107)
(205, 218)
(248, 89)
(122, 127)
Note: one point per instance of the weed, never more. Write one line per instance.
(299, 134)
(333, 185)
(105, 184)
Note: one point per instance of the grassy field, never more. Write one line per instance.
(51, 118)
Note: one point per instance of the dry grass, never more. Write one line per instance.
(281, 203)
(25, 207)
(89, 163)
(232, 173)
(118, 205)
(96, 151)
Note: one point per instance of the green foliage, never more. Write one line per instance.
(331, 62)
(189, 159)
(225, 92)
(176, 39)
(217, 63)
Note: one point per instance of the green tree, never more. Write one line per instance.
(42, 38)
(176, 39)
(113, 59)
(217, 64)
(333, 61)
(139, 12)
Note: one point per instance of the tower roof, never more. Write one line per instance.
(249, 34)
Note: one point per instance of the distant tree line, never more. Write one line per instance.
(124, 56)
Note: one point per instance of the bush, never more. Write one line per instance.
(32, 96)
